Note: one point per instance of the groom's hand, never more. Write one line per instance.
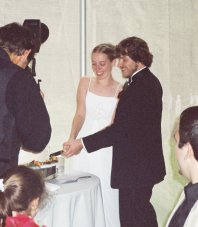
(72, 148)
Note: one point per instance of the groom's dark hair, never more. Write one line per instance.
(137, 49)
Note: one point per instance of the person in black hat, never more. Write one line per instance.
(138, 162)
(24, 120)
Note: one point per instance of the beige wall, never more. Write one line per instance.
(169, 26)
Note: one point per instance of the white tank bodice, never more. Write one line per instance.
(99, 111)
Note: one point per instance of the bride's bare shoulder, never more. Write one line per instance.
(84, 82)
(85, 79)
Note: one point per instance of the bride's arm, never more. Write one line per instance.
(79, 116)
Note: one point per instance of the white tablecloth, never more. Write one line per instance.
(77, 204)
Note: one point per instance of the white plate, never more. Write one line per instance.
(44, 166)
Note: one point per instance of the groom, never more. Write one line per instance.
(135, 135)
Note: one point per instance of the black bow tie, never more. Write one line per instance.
(127, 83)
(130, 80)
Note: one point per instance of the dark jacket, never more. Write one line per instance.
(24, 120)
(135, 134)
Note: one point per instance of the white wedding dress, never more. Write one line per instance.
(99, 112)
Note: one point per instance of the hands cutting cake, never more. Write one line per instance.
(71, 148)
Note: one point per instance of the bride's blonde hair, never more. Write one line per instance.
(106, 48)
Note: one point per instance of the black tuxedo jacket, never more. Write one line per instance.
(135, 134)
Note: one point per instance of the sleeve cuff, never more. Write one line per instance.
(83, 144)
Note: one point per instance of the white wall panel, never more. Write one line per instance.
(169, 26)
